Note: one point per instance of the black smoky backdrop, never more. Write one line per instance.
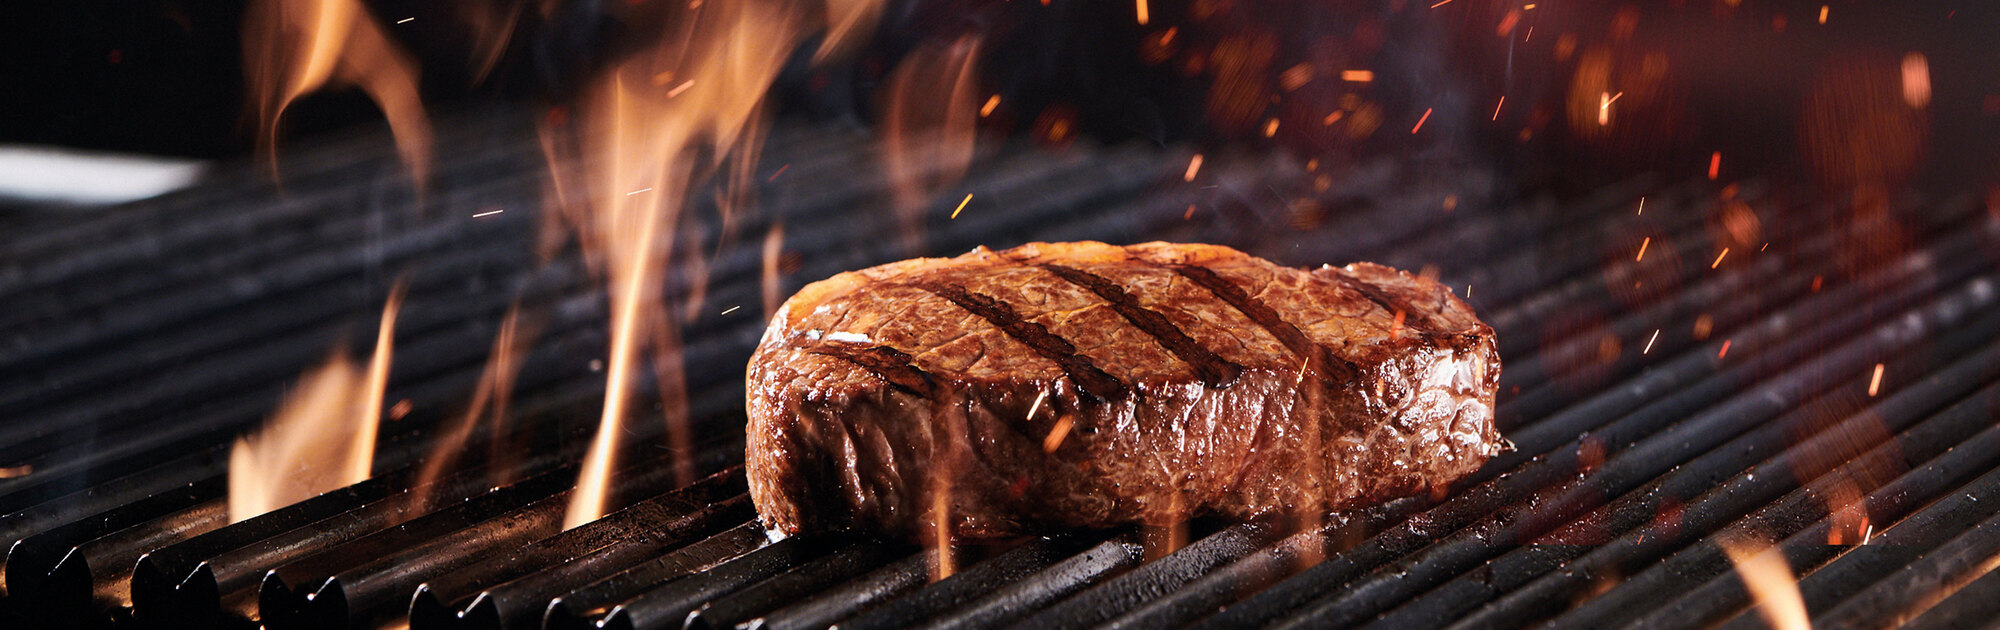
(1508, 84)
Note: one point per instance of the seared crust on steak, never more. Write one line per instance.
(1086, 385)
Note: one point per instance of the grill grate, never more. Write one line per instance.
(1663, 406)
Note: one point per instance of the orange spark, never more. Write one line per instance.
(1497, 106)
(992, 103)
(1145, 14)
(1718, 258)
(1056, 435)
(1507, 24)
(1420, 121)
(1875, 382)
(1194, 166)
(1357, 76)
(1714, 164)
(1822, 14)
(780, 171)
(1724, 352)
(1642, 249)
(1442, 3)
(1271, 128)
(1333, 117)
(961, 205)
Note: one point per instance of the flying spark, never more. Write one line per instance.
(1642, 207)
(1642, 249)
(1496, 107)
(991, 104)
(411, 19)
(1822, 14)
(961, 205)
(678, 89)
(729, 310)
(1714, 164)
(488, 213)
(780, 171)
(1445, 2)
(1145, 14)
(1718, 258)
(1194, 166)
(1649, 342)
(1875, 382)
(642, 190)
(1420, 121)
(1725, 350)
(1357, 76)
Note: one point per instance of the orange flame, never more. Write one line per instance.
(927, 142)
(489, 399)
(294, 47)
(322, 437)
(697, 96)
(1771, 583)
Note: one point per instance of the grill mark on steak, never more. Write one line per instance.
(889, 364)
(1267, 318)
(1087, 376)
(1214, 371)
(1420, 321)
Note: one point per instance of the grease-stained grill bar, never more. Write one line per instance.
(1665, 405)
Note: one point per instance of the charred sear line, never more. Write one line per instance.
(1214, 371)
(889, 364)
(1268, 319)
(1086, 375)
(1418, 320)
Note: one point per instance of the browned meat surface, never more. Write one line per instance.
(1085, 385)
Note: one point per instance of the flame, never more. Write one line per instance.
(489, 399)
(1771, 583)
(322, 437)
(929, 126)
(658, 123)
(294, 47)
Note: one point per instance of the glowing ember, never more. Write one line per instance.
(321, 438)
(1420, 121)
(1357, 76)
(1771, 583)
(1822, 14)
(1916, 80)
(1145, 14)
(1875, 382)
(294, 47)
(961, 205)
(1642, 249)
(1194, 166)
(1714, 164)
(1718, 258)
(991, 104)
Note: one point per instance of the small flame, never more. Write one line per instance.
(489, 399)
(294, 47)
(1771, 583)
(930, 126)
(322, 437)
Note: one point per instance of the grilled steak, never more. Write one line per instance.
(1084, 384)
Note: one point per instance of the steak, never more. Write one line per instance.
(1059, 385)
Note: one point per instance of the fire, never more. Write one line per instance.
(322, 437)
(294, 47)
(656, 125)
(930, 126)
(489, 400)
(1770, 582)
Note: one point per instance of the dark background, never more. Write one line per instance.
(164, 77)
